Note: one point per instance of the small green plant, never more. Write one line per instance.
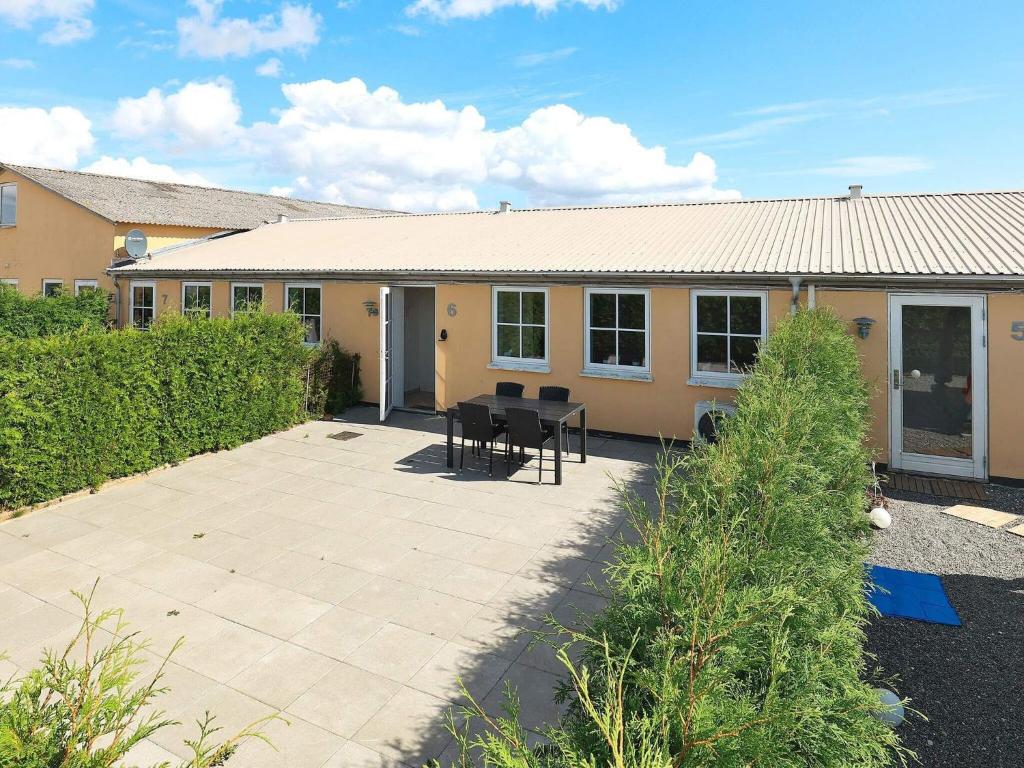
(87, 705)
(332, 380)
(24, 317)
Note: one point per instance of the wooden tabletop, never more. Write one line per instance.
(549, 410)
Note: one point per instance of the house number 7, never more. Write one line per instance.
(1017, 330)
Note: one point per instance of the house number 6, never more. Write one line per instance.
(1017, 330)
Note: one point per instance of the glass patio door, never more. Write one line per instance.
(938, 384)
(387, 354)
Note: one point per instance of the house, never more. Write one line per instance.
(648, 311)
(63, 229)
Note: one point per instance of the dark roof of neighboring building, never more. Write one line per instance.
(138, 201)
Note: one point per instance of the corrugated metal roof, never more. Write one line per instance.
(968, 234)
(137, 201)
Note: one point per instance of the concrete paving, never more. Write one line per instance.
(345, 585)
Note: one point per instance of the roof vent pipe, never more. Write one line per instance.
(503, 206)
(282, 218)
(856, 191)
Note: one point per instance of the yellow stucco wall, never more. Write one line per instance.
(159, 235)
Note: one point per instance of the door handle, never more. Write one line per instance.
(896, 381)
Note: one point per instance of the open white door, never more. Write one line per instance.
(938, 385)
(387, 354)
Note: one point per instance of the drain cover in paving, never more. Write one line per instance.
(345, 435)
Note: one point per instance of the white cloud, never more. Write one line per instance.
(196, 116)
(141, 168)
(349, 144)
(208, 35)
(269, 68)
(871, 165)
(35, 136)
(282, 191)
(474, 9)
(17, 63)
(543, 57)
(70, 18)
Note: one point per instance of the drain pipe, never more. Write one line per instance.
(794, 302)
(117, 301)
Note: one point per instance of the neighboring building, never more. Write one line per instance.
(645, 312)
(63, 229)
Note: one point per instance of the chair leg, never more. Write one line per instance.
(490, 461)
(540, 466)
(462, 455)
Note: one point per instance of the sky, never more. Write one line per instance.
(457, 104)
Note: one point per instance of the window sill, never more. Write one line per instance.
(620, 374)
(511, 365)
(718, 382)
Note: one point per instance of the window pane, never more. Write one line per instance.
(239, 298)
(711, 354)
(508, 341)
(742, 353)
(533, 343)
(631, 311)
(711, 314)
(141, 295)
(533, 307)
(8, 205)
(312, 301)
(52, 289)
(312, 329)
(204, 297)
(602, 347)
(295, 300)
(631, 348)
(602, 310)
(745, 314)
(508, 306)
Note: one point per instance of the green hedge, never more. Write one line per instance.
(333, 381)
(733, 636)
(77, 409)
(26, 317)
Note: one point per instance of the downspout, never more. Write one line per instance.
(812, 299)
(117, 301)
(794, 302)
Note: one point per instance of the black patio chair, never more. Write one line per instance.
(508, 389)
(478, 425)
(526, 431)
(558, 395)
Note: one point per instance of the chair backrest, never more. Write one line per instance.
(557, 394)
(524, 427)
(509, 389)
(477, 423)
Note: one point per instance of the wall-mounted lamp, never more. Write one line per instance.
(371, 307)
(444, 335)
(864, 326)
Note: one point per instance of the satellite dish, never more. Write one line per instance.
(135, 243)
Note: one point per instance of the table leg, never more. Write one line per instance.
(558, 453)
(450, 453)
(583, 436)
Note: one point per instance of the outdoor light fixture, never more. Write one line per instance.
(371, 307)
(864, 326)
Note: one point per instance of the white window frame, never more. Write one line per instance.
(641, 373)
(196, 284)
(80, 284)
(15, 222)
(52, 281)
(263, 294)
(318, 286)
(131, 301)
(12, 281)
(503, 362)
(710, 378)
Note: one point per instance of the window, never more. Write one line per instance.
(617, 337)
(11, 281)
(520, 334)
(196, 299)
(246, 297)
(86, 284)
(143, 304)
(52, 287)
(304, 300)
(8, 205)
(727, 327)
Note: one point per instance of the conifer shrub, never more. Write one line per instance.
(79, 408)
(23, 317)
(733, 635)
(333, 382)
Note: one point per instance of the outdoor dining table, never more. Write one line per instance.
(553, 414)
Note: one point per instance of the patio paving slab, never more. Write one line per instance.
(345, 585)
(990, 517)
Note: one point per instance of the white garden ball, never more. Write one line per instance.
(891, 712)
(880, 517)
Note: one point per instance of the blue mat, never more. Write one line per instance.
(911, 595)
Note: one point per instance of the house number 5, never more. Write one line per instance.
(1017, 330)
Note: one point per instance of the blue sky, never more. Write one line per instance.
(426, 104)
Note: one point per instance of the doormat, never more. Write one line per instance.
(911, 595)
(936, 486)
(345, 435)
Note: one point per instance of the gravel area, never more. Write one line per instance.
(968, 681)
